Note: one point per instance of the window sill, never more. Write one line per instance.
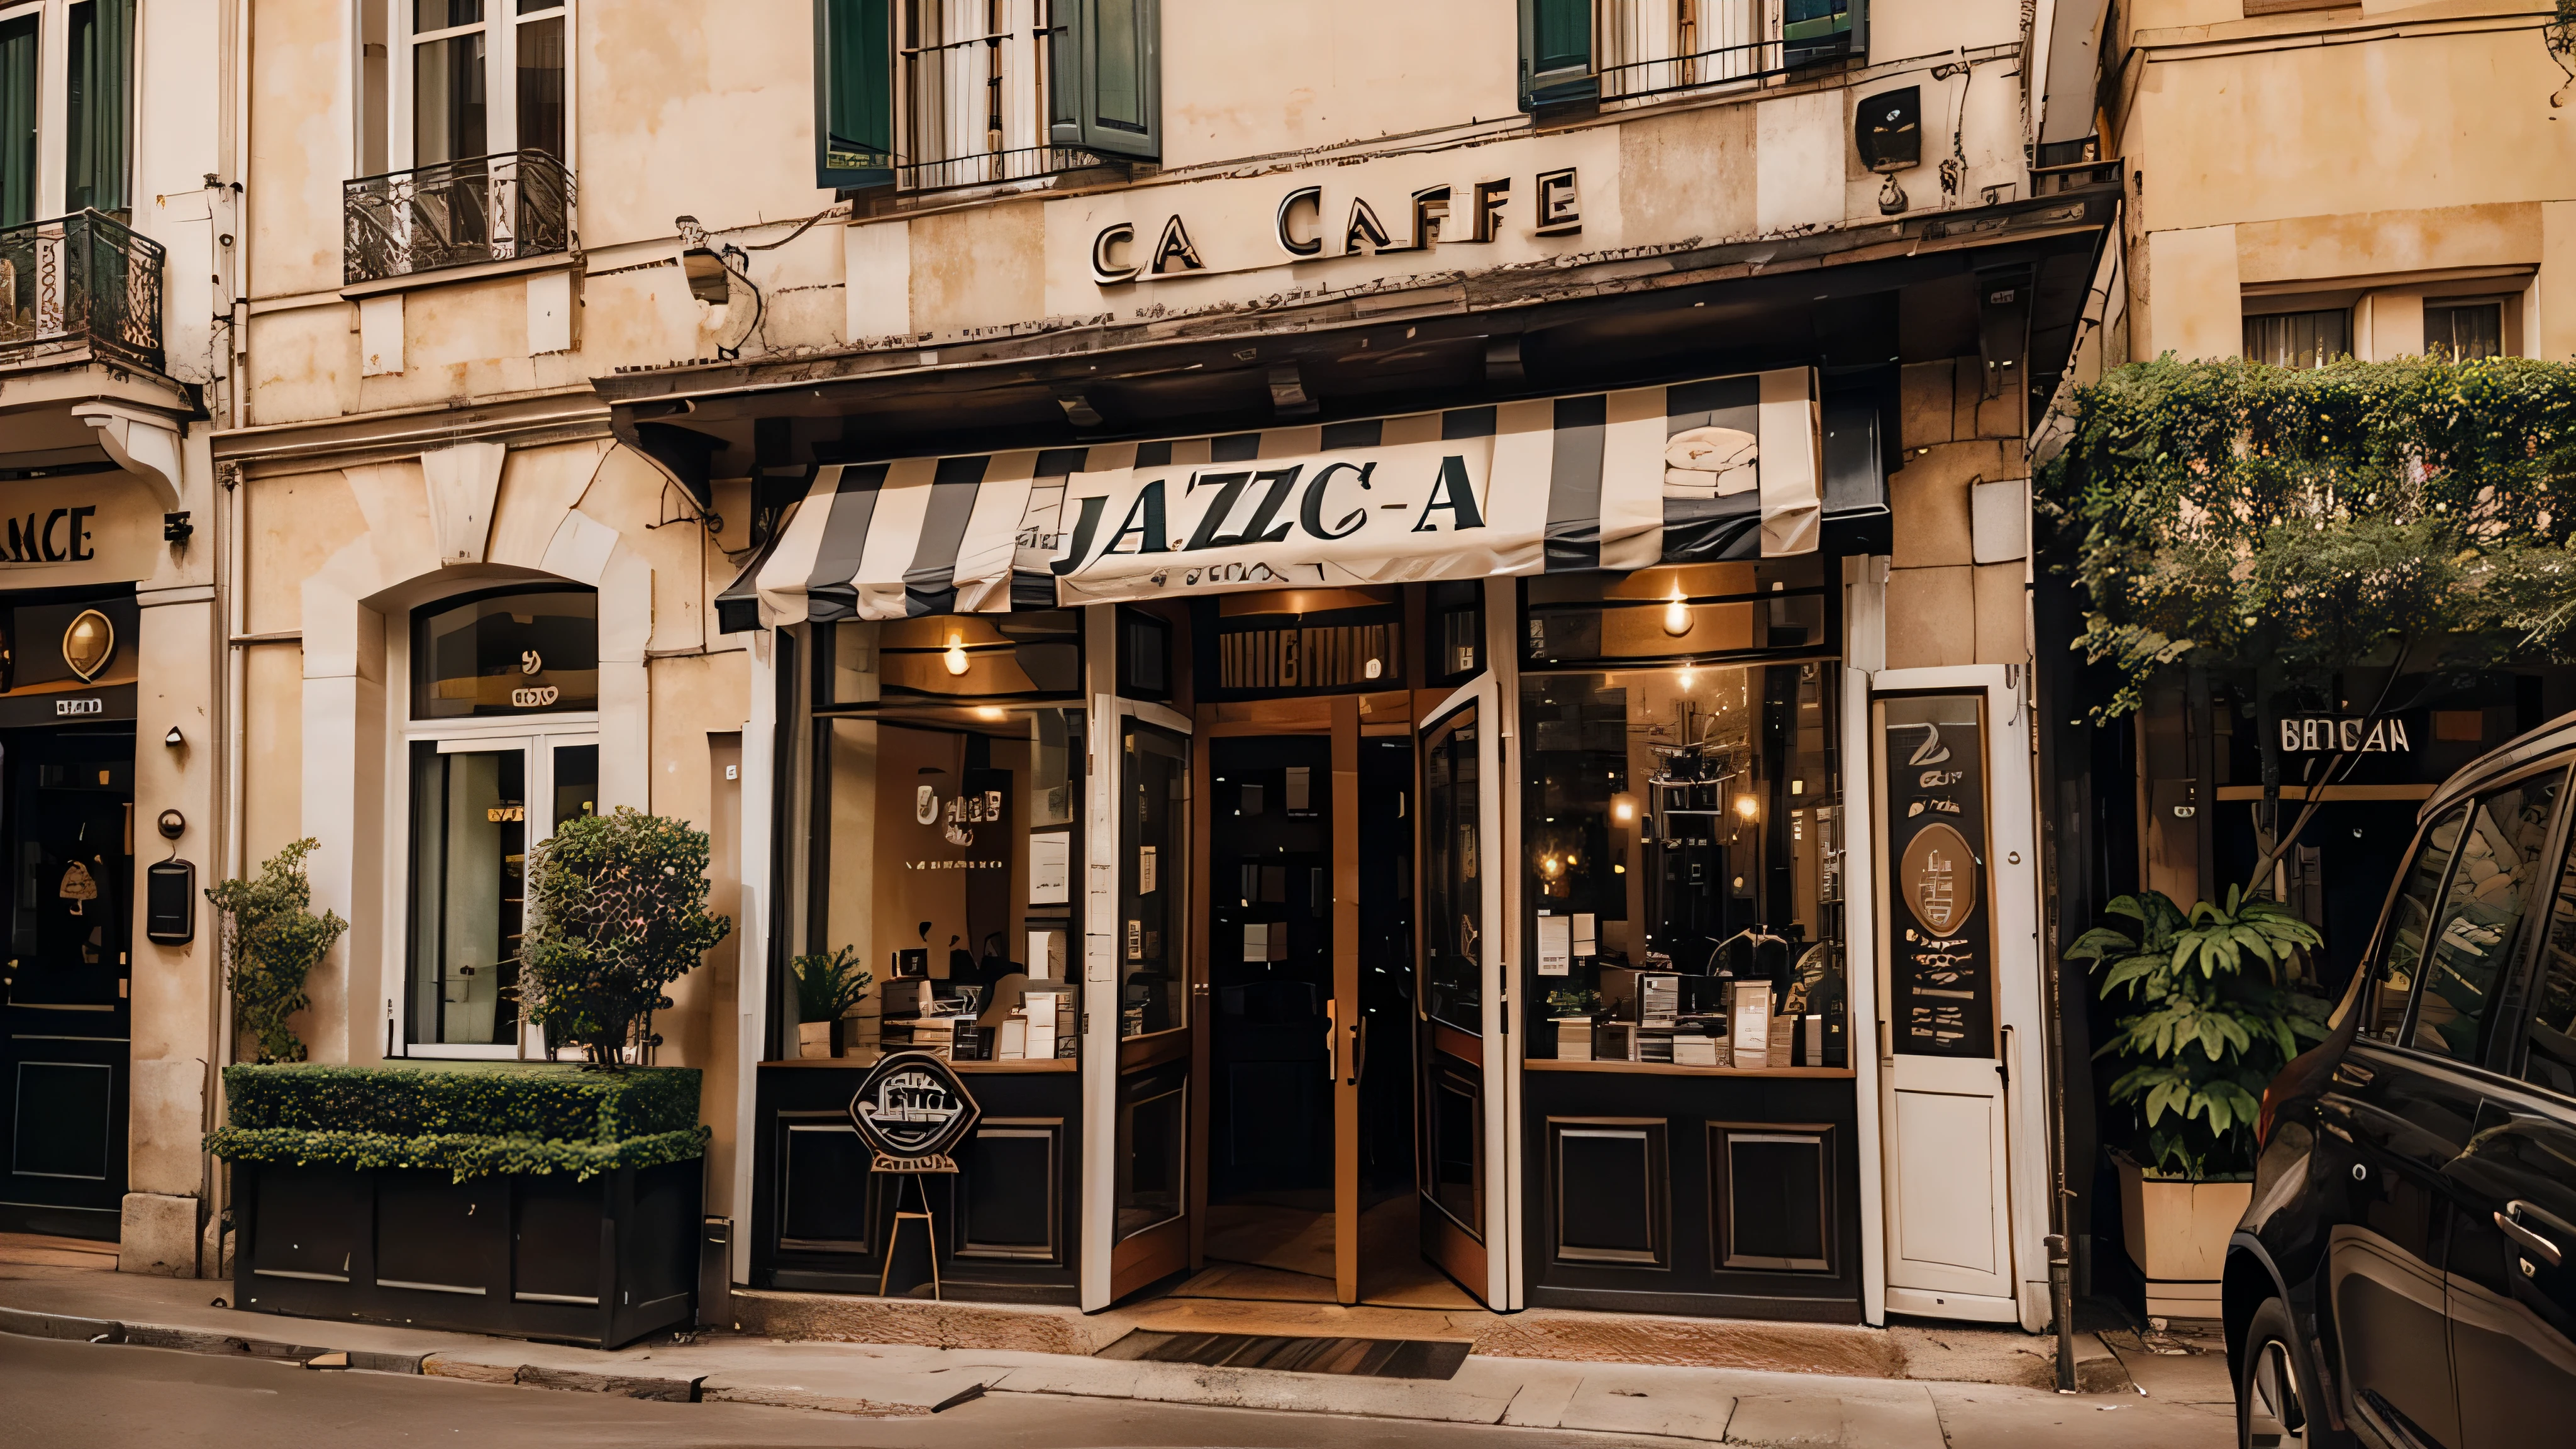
(473, 272)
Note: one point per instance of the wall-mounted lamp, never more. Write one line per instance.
(174, 739)
(1623, 808)
(1747, 806)
(955, 657)
(1677, 617)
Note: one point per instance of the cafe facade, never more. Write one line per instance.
(1433, 725)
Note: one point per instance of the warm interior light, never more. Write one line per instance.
(1622, 809)
(1677, 619)
(1747, 806)
(1686, 681)
(955, 658)
(986, 711)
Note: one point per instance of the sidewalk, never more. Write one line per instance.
(1709, 1404)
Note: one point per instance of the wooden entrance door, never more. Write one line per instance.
(1458, 1096)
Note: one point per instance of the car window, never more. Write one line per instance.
(2549, 1049)
(2409, 922)
(2499, 848)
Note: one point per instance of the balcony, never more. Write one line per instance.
(1660, 47)
(456, 213)
(77, 287)
(973, 98)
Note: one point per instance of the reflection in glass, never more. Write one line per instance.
(511, 654)
(447, 104)
(541, 86)
(576, 783)
(1682, 833)
(1118, 55)
(2498, 852)
(2410, 924)
(469, 862)
(1453, 897)
(1153, 845)
(944, 854)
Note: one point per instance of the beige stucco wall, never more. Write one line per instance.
(2334, 150)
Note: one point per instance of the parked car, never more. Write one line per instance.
(2403, 1276)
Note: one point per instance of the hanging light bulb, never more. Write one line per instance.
(1677, 617)
(955, 658)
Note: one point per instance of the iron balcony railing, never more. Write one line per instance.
(973, 96)
(1657, 47)
(85, 283)
(495, 208)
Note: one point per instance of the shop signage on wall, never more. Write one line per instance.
(912, 1110)
(1551, 202)
(62, 537)
(1940, 930)
(2326, 734)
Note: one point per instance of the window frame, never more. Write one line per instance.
(1564, 84)
(500, 25)
(858, 178)
(538, 735)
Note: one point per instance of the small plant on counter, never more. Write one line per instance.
(1574, 1001)
(272, 940)
(617, 910)
(2221, 1013)
(828, 986)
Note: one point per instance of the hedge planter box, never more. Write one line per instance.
(539, 1202)
(2177, 1234)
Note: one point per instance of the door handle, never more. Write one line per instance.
(2524, 1238)
(1332, 1041)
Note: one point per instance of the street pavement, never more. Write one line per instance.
(72, 1395)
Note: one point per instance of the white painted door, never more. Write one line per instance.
(1950, 813)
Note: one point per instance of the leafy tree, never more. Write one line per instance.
(2219, 1016)
(617, 910)
(2282, 526)
(828, 986)
(271, 941)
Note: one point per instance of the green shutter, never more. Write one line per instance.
(18, 120)
(1105, 76)
(1556, 52)
(98, 102)
(854, 93)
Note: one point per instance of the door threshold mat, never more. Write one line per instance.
(1373, 1358)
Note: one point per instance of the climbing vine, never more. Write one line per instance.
(2291, 523)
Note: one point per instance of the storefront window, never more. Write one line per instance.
(952, 656)
(1684, 834)
(1154, 811)
(505, 655)
(948, 865)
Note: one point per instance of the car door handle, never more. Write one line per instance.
(2529, 1241)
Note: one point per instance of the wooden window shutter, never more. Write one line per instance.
(1105, 76)
(853, 93)
(1556, 53)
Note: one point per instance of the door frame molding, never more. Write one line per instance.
(2013, 869)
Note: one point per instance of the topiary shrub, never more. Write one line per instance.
(468, 1120)
(271, 941)
(617, 910)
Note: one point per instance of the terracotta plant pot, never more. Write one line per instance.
(2177, 1235)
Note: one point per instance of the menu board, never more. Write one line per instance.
(1940, 923)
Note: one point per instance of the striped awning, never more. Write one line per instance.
(1720, 468)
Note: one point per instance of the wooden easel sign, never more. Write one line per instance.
(912, 1110)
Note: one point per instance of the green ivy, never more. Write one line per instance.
(2294, 522)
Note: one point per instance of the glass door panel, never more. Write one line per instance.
(1457, 1091)
(1150, 1221)
(469, 855)
(1153, 848)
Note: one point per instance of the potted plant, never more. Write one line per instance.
(827, 986)
(2217, 1013)
(617, 910)
(272, 940)
(542, 1200)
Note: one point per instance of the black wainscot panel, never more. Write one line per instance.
(1005, 1220)
(1725, 1196)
